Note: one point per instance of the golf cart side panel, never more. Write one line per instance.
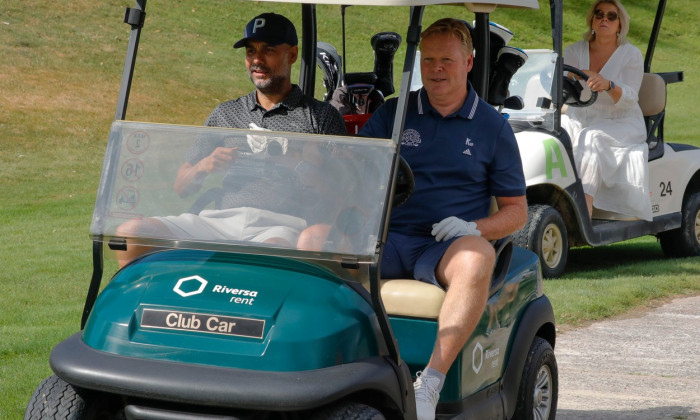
(669, 178)
(545, 160)
(483, 358)
(186, 383)
(231, 310)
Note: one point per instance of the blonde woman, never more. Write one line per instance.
(609, 137)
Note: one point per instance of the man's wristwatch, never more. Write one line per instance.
(612, 86)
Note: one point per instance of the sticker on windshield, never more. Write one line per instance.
(138, 142)
(127, 198)
(132, 170)
(205, 323)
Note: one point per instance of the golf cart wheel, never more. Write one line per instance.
(55, 398)
(684, 241)
(539, 386)
(348, 411)
(545, 235)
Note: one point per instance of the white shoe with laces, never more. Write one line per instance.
(427, 395)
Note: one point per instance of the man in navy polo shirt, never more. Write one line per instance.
(462, 152)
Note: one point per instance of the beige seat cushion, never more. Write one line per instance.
(652, 94)
(412, 298)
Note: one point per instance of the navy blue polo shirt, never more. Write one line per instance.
(459, 161)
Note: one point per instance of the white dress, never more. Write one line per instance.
(609, 139)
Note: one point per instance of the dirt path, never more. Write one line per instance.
(641, 368)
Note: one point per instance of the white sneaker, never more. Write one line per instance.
(427, 395)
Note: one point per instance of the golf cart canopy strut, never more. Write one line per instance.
(134, 17)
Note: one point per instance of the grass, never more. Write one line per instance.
(614, 279)
(60, 68)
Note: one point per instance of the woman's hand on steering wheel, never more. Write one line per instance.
(573, 89)
(596, 82)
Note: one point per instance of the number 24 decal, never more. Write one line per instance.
(665, 188)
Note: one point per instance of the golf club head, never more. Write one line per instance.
(385, 45)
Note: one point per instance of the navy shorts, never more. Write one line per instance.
(414, 257)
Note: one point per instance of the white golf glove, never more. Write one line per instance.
(260, 143)
(451, 227)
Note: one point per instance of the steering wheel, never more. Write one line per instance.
(351, 220)
(572, 89)
(405, 183)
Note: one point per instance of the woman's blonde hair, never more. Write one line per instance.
(454, 27)
(621, 14)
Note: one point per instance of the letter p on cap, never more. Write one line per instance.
(259, 23)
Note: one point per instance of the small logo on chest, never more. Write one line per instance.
(411, 138)
(469, 144)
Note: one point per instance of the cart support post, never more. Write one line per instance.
(135, 17)
(654, 35)
(307, 75)
(95, 281)
(482, 44)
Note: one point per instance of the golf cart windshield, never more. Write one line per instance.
(276, 185)
(533, 82)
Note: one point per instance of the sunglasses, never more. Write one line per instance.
(599, 15)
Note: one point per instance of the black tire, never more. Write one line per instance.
(684, 241)
(55, 398)
(545, 235)
(348, 411)
(539, 385)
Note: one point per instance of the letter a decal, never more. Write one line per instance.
(551, 148)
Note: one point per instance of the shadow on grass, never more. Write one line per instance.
(642, 257)
(670, 412)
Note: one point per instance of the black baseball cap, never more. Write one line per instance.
(270, 28)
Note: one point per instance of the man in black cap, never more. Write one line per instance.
(270, 42)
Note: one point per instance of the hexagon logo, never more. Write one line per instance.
(189, 286)
(478, 353)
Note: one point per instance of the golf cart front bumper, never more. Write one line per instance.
(84, 367)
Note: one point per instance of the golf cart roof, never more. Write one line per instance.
(532, 4)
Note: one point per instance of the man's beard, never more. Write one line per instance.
(274, 83)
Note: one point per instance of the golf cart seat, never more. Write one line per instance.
(652, 101)
(418, 299)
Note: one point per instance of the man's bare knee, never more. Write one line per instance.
(133, 229)
(469, 258)
(313, 238)
(471, 248)
(129, 228)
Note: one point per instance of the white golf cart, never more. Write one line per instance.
(557, 214)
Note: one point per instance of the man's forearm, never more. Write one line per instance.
(189, 179)
(509, 218)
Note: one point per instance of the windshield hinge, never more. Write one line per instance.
(347, 262)
(117, 244)
(134, 17)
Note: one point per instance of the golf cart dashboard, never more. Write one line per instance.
(291, 179)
